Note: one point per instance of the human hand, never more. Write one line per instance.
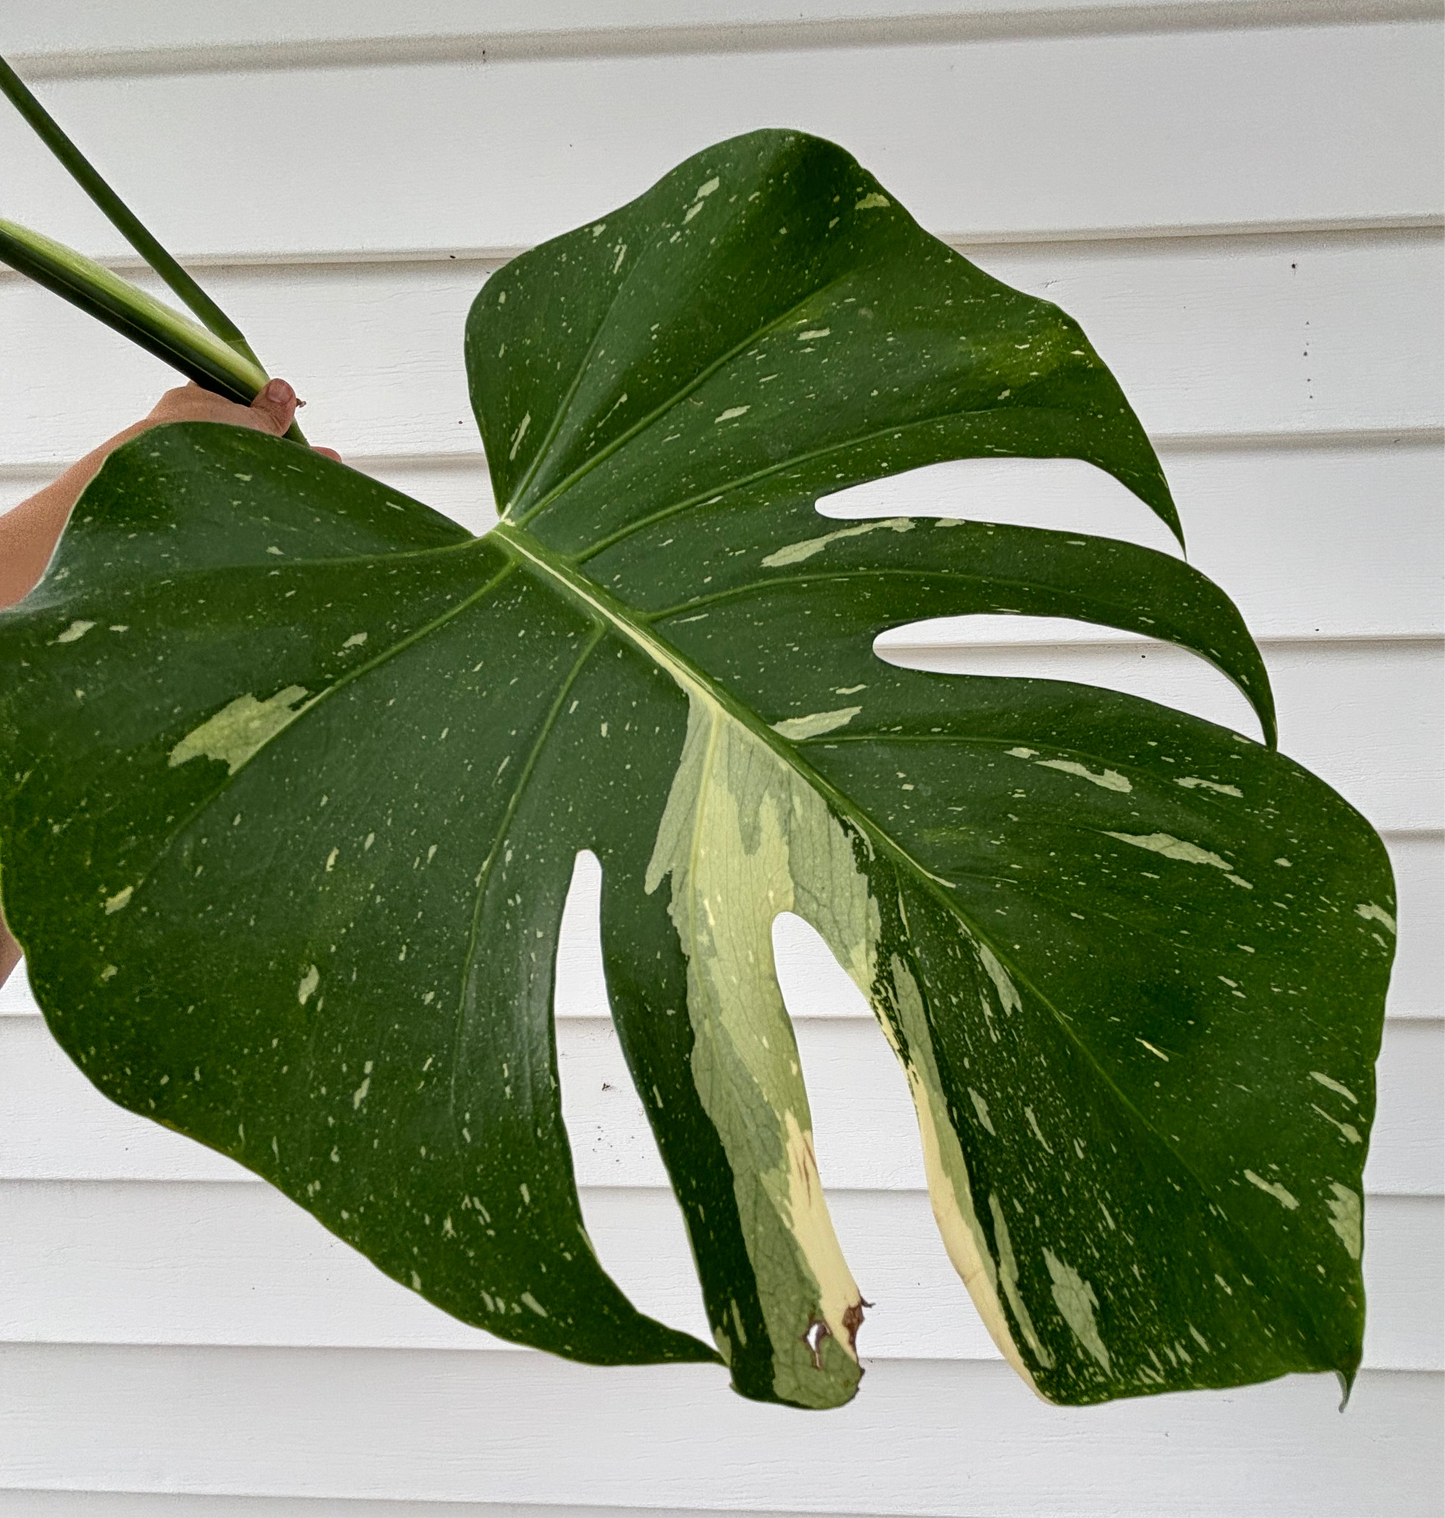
(273, 410)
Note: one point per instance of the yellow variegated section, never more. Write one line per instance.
(949, 1187)
(743, 838)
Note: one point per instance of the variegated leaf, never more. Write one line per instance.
(296, 772)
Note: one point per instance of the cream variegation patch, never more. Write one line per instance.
(240, 729)
(743, 838)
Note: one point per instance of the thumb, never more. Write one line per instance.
(275, 407)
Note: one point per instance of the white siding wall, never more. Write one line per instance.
(1240, 200)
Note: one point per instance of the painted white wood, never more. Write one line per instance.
(188, 1263)
(93, 36)
(1042, 135)
(145, 1504)
(55, 1126)
(1293, 381)
(930, 1437)
(1212, 339)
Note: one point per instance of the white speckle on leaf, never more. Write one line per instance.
(1193, 782)
(814, 333)
(1371, 913)
(74, 631)
(238, 730)
(1008, 995)
(818, 722)
(874, 202)
(309, 982)
(1281, 1194)
(519, 434)
(119, 900)
(797, 553)
(1008, 1271)
(1330, 1084)
(1108, 780)
(1178, 848)
(355, 640)
(1076, 1301)
(1150, 1047)
(1346, 1218)
(1348, 1131)
(981, 1107)
(731, 413)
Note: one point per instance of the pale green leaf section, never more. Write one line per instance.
(1346, 1218)
(950, 1190)
(817, 723)
(239, 730)
(801, 552)
(742, 839)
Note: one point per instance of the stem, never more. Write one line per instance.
(152, 325)
(135, 233)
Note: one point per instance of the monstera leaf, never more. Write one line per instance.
(296, 772)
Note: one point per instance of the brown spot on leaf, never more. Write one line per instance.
(853, 1321)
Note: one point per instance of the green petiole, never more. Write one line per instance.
(216, 354)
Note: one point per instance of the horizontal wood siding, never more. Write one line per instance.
(1240, 200)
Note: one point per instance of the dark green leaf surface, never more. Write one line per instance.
(296, 773)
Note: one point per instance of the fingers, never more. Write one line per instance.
(275, 407)
(189, 403)
(272, 411)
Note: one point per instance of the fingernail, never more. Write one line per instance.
(279, 393)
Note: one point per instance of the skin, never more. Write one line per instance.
(29, 531)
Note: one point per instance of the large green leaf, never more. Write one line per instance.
(296, 772)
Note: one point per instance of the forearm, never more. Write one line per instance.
(28, 533)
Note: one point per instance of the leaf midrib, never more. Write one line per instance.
(617, 616)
